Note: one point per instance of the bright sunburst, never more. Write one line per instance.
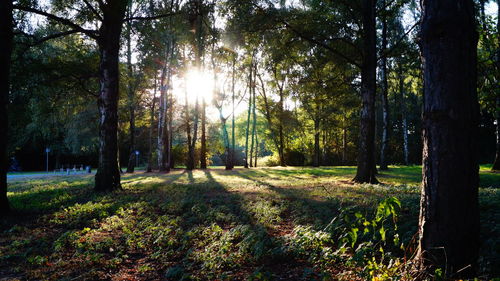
(199, 85)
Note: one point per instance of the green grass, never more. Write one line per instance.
(257, 224)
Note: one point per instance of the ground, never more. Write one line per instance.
(255, 224)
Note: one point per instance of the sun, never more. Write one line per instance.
(199, 84)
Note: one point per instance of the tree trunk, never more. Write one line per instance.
(252, 92)
(190, 156)
(385, 101)
(316, 142)
(366, 154)
(281, 150)
(402, 107)
(232, 153)
(149, 168)
(256, 150)
(248, 115)
(496, 163)
(6, 34)
(108, 176)
(449, 214)
(203, 151)
(131, 101)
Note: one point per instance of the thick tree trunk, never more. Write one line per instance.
(108, 176)
(6, 34)
(385, 101)
(449, 214)
(366, 152)
(316, 143)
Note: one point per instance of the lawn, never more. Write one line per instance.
(251, 224)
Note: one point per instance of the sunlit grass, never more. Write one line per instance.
(212, 224)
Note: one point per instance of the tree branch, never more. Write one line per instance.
(153, 17)
(393, 47)
(64, 21)
(94, 11)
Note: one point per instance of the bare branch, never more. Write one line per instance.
(64, 21)
(94, 11)
(153, 17)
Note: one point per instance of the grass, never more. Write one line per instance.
(256, 224)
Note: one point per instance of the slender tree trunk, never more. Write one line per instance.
(385, 101)
(402, 107)
(316, 142)
(496, 163)
(449, 214)
(252, 93)
(249, 113)
(6, 34)
(232, 116)
(203, 151)
(108, 176)
(149, 169)
(366, 153)
(256, 149)
(281, 151)
(131, 100)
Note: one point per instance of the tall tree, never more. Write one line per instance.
(384, 89)
(496, 163)
(366, 152)
(6, 33)
(130, 96)
(449, 214)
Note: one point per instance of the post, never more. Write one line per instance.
(137, 158)
(47, 150)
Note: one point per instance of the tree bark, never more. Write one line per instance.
(252, 95)
(149, 168)
(203, 151)
(232, 156)
(108, 176)
(402, 107)
(449, 214)
(385, 101)
(250, 77)
(131, 101)
(6, 33)
(366, 154)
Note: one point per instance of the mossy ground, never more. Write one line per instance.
(256, 224)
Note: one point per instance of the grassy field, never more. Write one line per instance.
(251, 224)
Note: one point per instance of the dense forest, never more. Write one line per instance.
(395, 100)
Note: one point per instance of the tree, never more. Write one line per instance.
(449, 214)
(496, 163)
(366, 152)
(385, 100)
(6, 33)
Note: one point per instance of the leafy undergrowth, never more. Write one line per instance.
(258, 224)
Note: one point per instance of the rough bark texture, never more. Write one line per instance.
(449, 215)
(5, 53)
(366, 153)
(108, 175)
(385, 100)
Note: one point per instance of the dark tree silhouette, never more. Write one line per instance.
(449, 215)
(6, 35)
